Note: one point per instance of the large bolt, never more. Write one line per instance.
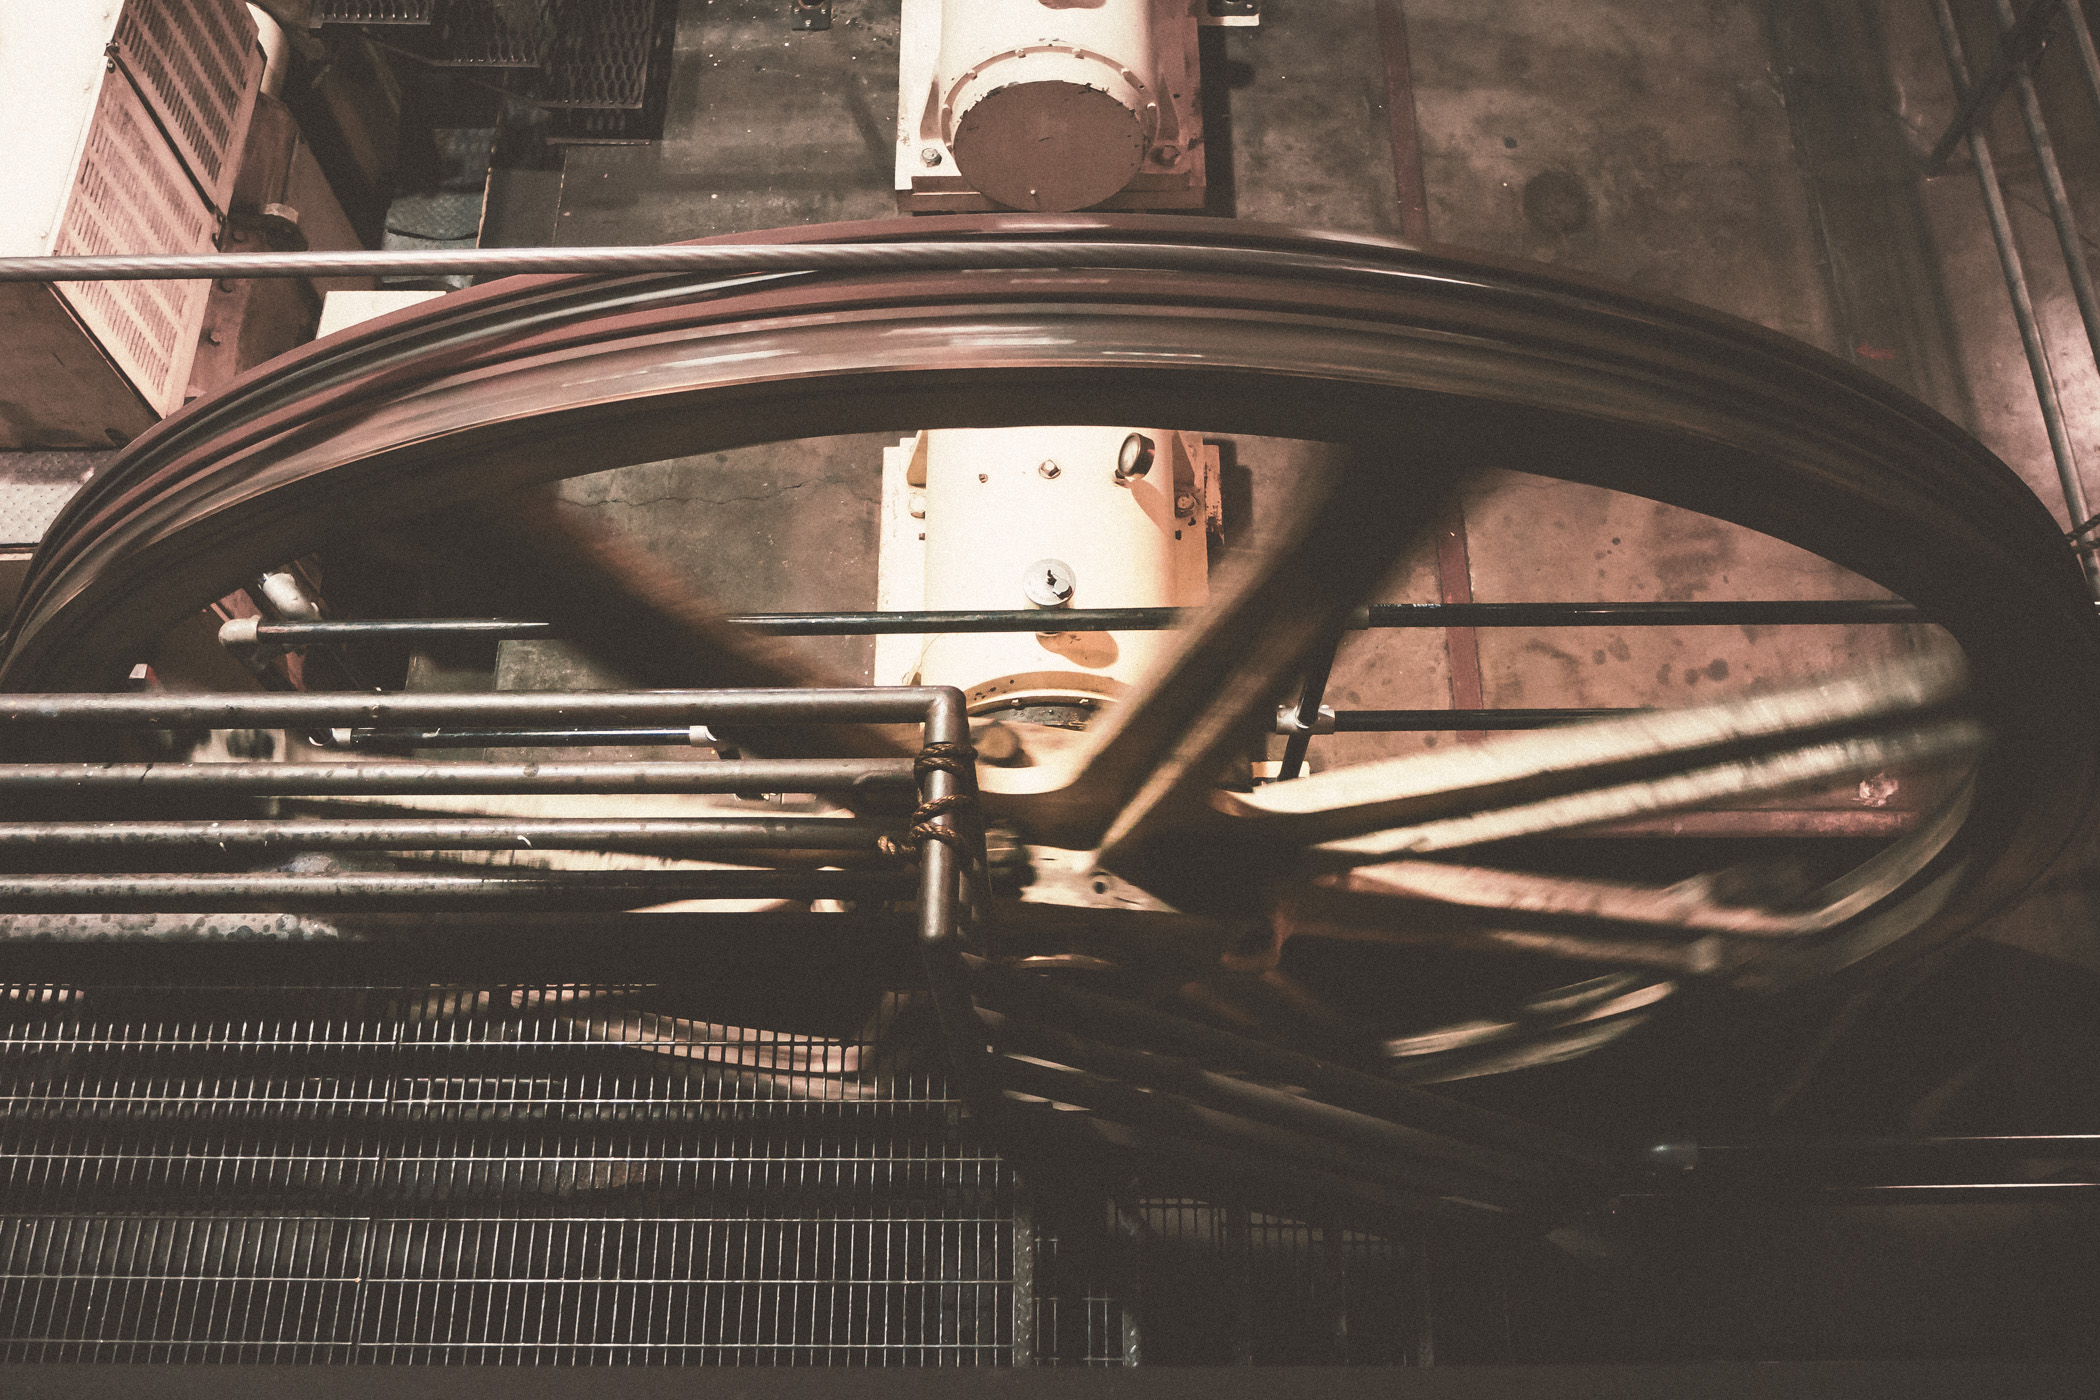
(1048, 583)
(1048, 471)
(929, 156)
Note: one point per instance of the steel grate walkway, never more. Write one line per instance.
(443, 1175)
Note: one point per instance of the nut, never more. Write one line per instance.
(1048, 471)
(930, 156)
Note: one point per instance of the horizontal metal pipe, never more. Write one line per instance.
(319, 779)
(385, 739)
(454, 834)
(1377, 616)
(716, 259)
(1401, 721)
(359, 890)
(863, 705)
(1811, 612)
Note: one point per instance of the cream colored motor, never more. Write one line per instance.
(1048, 518)
(1049, 105)
(1060, 120)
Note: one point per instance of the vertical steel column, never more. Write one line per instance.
(2016, 285)
(940, 934)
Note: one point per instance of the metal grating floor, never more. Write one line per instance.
(450, 1175)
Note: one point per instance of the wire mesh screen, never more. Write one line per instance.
(449, 1175)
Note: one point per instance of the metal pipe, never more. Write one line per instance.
(2018, 44)
(308, 710)
(707, 259)
(1462, 1123)
(2016, 287)
(246, 632)
(1437, 721)
(1192, 1080)
(940, 931)
(359, 890)
(323, 779)
(1304, 718)
(454, 834)
(2060, 213)
(387, 739)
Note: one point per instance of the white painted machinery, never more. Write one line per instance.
(1051, 105)
(993, 519)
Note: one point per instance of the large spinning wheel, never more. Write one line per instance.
(1411, 360)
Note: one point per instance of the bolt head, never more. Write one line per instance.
(1184, 502)
(1048, 583)
(930, 156)
(1048, 471)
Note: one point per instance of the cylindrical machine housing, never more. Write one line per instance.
(1048, 105)
(1038, 517)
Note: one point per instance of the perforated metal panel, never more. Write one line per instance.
(197, 64)
(131, 195)
(601, 56)
(497, 33)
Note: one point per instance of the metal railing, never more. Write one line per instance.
(254, 639)
(944, 827)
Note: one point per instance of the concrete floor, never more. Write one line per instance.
(1642, 142)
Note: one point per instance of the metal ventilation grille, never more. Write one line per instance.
(479, 1175)
(601, 57)
(196, 61)
(497, 33)
(131, 196)
(374, 11)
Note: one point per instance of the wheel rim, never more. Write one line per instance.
(1375, 346)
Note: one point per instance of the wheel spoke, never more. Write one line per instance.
(630, 612)
(1577, 775)
(1162, 750)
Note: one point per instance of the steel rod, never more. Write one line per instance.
(867, 705)
(454, 834)
(1304, 718)
(1436, 721)
(709, 259)
(1378, 616)
(2016, 287)
(386, 739)
(2068, 238)
(381, 776)
(2018, 44)
(1081, 1010)
(1425, 1153)
(356, 890)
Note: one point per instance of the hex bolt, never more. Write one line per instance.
(929, 155)
(1048, 470)
(1048, 583)
(1184, 502)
